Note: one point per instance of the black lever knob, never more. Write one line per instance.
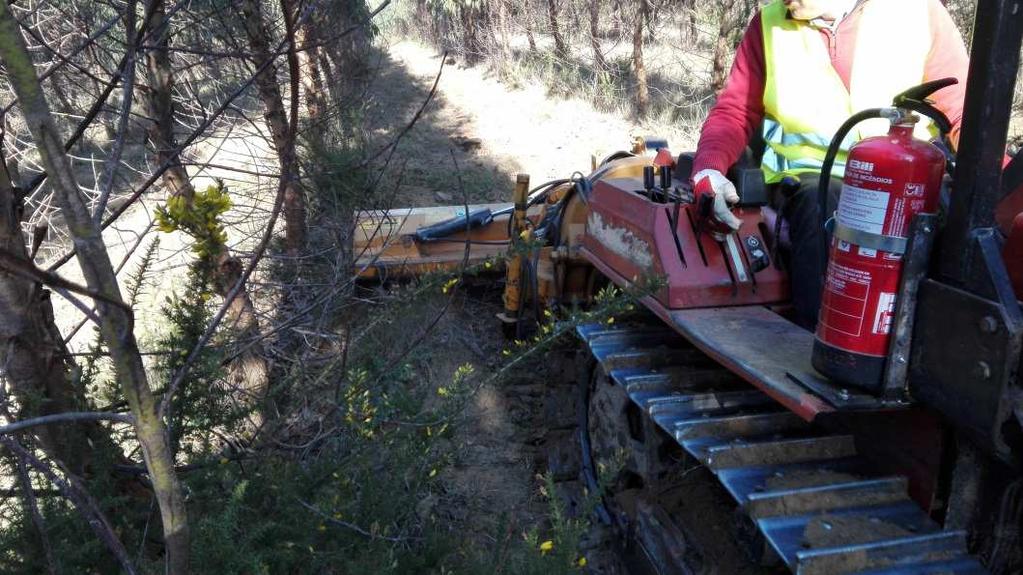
(665, 178)
(648, 178)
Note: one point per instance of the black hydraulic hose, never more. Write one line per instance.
(824, 185)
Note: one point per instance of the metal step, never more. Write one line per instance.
(827, 497)
(742, 481)
(818, 505)
(779, 452)
(643, 383)
(790, 534)
(929, 548)
(961, 566)
(739, 425)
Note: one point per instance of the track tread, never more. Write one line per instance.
(814, 500)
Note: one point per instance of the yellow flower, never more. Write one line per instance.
(610, 320)
(224, 461)
(581, 562)
(546, 547)
(322, 527)
(433, 473)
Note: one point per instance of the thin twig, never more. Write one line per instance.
(122, 125)
(353, 526)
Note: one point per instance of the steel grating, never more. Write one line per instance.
(818, 505)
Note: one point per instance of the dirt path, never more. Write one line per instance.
(493, 131)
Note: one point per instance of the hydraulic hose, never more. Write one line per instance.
(824, 185)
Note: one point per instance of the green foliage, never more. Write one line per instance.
(199, 218)
(203, 411)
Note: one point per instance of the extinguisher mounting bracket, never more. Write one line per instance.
(879, 242)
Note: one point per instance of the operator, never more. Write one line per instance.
(803, 67)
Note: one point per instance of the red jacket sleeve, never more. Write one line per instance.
(739, 108)
(948, 57)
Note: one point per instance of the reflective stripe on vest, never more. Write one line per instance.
(805, 100)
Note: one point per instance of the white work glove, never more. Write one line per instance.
(724, 194)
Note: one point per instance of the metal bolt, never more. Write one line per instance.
(843, 393)
(926, 229)
(900, 359)
(988, 324)
(983, 370)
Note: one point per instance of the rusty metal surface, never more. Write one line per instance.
(758, 345)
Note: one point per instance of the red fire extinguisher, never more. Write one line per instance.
(888, 180)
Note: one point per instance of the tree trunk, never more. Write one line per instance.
(247, 371)
(277, 120)
(527, 17)
(638, 67)
(37, 365)
(719, 73)
(160, 104)
(560, 47)
(598, 56)
(500, 35)
(116, 319)
(312, 82)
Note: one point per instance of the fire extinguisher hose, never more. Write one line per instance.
(829, 162)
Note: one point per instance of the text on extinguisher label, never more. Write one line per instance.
(863, 210)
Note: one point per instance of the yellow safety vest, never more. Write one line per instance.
(805, 100)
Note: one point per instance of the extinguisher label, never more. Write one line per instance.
(884, 313)
(862, 210)
(846, 292)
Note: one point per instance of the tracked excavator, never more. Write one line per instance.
(747, 444)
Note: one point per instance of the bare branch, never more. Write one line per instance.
(70, 416)
(37, 518)
(15, 264)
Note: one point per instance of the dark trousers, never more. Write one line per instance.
(798, 205)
